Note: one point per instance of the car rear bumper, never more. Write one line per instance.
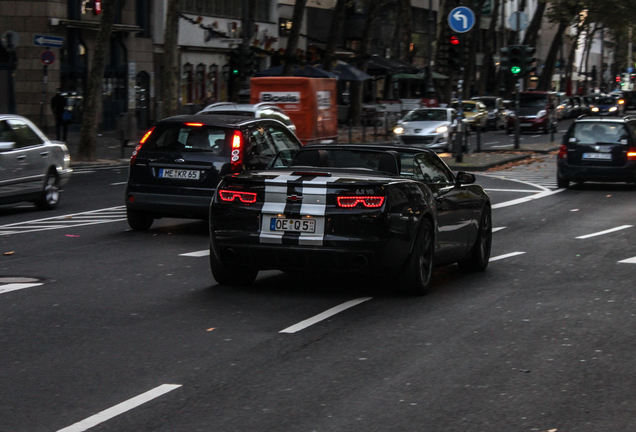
(626, 173)
(160, 205)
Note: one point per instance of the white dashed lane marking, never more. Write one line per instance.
(324, 315)
(622, 227)
(629, 261)
(508, 255)
(197, 254)
(17, 286)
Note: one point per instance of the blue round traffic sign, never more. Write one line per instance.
(47, 57)
(461, 19)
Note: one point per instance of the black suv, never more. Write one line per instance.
(598, 149)
(176, 166)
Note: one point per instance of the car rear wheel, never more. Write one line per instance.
(480, 252)
(231, 275)
(419, 268)
(139, 221)
(50, 193)
(561, 182)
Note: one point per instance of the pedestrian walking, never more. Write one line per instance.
(58, 106)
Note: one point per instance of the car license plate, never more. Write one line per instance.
(598, 156)
(293, 225)
(179, 174)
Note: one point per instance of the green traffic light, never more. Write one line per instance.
(235, 71)
(515, 70)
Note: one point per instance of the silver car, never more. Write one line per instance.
(34, 168)
(430, 128)
(259, 110)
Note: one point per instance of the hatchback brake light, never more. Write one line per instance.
(194, 124)
(563, 152)
(244, 197)
(631, 154)
(366, 201)
(236, 164)
(142, 141)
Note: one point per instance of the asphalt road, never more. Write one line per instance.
(115, 330)
(500, 140)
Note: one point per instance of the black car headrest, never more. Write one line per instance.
(390, 162)
(313, 158)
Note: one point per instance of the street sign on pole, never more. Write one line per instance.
(461, 19)
(518, 21)
(47, 57)
(48, 41)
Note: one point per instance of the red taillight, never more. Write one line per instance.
(237, 152)
(142, 141)
(366, 201)
(563, 152)
(194, 124)
(631, 153)
(244, 197)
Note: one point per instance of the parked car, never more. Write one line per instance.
(430, 128)
(259, 110)
(379, 210)
(495, 107)
(34, 168)
(630, 98)
(599, 149)
(605, 105)
(176, 166)
(474, 112)
(566, 109)
(535, 112)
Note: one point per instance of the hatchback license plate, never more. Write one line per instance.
(293, 225)
(179, 174)
(600, 156)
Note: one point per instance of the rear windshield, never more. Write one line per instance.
(184, 138)
(592, 133)
(606, 100)
(426, 115)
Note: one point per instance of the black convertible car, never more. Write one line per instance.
(375, 209)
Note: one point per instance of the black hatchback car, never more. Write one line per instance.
(177, 165)
(598, 149)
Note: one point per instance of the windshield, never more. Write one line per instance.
(592, 133)
(426, 115)
(605, 100)
(534, 101)
(490, 103)
(466, 106)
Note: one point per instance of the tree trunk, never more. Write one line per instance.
(406, 21)
(294, 34)
(570, 65)
(355, 111)
(489, 68)
(545, 81)
(88, 134)
(530, 38)
(335, 32)
(170, 72)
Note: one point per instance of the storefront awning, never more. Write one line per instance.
(93, 25)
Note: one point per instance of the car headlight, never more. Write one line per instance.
(441, 129)
(612, 109)
(542, 113)
(594, 109)
(398, 130)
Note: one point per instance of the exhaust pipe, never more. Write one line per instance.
(360, 261)
(230, 254)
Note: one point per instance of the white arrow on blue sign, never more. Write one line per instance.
(48, 41)
(461, 19)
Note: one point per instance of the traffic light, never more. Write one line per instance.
(618, 78)
(504, 64)
(250, 64)
(527, 55)
(454, 52)
(515, 60)
(235, 62)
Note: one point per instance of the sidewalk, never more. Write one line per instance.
(109, 151)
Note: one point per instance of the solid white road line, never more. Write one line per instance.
(513, 190)
(197, 254)
(119, 183)
(527, 199)
(622, 227)
(17, 286)
(498, 229)
(323, 316)
(511, 254)
(121, 408)
(629, 261)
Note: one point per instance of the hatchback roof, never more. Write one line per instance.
(604, 119)
(221, 120)
(231, 106)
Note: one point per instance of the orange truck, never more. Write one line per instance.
(309, 102)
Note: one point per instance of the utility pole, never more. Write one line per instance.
(429, 85)
(517, 88)
(246, 24)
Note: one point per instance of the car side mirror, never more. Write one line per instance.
(7, 146)
(465, 178)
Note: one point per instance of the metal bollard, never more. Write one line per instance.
(350, 125)
(364, 131)
(478, 141)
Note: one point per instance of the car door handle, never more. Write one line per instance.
(44, 154)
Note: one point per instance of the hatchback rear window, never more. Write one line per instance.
(187, 138)
(590, 132)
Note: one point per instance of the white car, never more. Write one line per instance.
(259, 110)
(430, 128)
(34, 168)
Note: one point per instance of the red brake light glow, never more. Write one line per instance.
(194, 124)
(366, 201)
(237, 152)
(244, 197)
(631, 154)
(142, 141)
(563, 152)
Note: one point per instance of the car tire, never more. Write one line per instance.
(416, 278)
(50, 192)
(231, 275)
(561, 182)
(480, 252)
(139, 221)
